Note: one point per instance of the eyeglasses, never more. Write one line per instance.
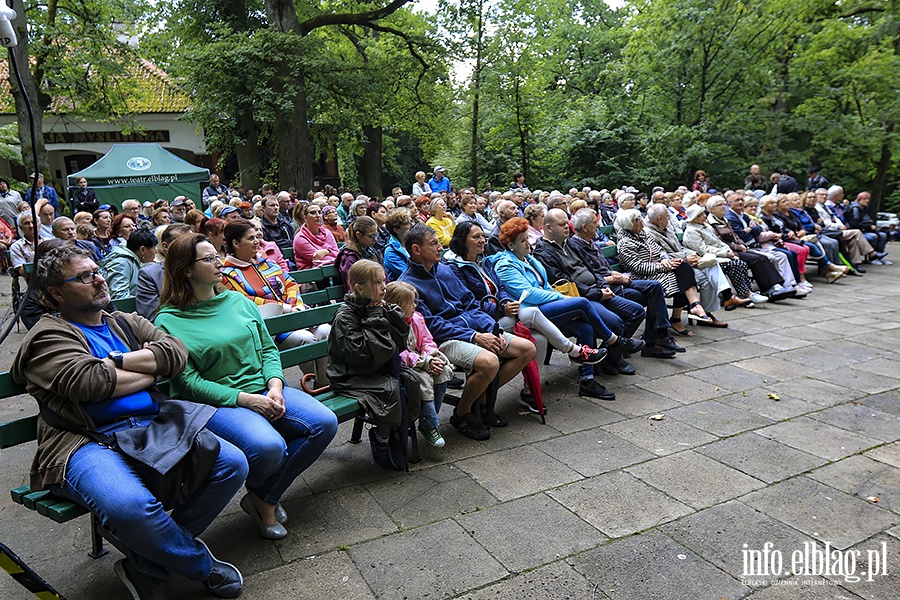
(88, 277)
(211, 259)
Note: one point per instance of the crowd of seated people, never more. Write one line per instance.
(435, 283)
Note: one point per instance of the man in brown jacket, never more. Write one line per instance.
(79, 366)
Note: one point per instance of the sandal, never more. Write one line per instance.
(703, 317)
(469, 426)
(683, 332)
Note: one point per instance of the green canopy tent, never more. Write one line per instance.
(143, 172)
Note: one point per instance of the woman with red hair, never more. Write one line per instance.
(525, 278)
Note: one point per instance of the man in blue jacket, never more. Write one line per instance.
(439, 183)
(462, 331)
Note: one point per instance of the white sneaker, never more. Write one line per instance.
(885, 261)
(758, 298)
(875, 261)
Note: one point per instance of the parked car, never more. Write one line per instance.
(886, 219)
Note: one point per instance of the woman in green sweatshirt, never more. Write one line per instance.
(235, 366)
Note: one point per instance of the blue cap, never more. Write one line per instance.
(228, 210)
(104, 207)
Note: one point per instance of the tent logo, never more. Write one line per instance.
(138, 163)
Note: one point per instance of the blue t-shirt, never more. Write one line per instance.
(102, 341)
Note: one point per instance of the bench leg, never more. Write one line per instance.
(356, 436)
(97, 549)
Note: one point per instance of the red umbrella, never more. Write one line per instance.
(530, 373)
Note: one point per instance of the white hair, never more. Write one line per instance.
(834, 191)
(582, 217)
(625, 219)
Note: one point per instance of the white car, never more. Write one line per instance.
(886, 219)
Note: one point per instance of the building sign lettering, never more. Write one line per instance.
(105, 137)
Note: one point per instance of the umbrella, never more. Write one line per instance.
(530, 373)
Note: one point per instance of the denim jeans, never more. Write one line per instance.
(878, 239)
(568, 309)
(622, 315)
(280, 450)
(103, 480)
(650, 293)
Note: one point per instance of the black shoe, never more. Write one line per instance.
(141, 585)
(858, 268)
(397, 449)
(456, 383)
(628, 345)
(589, 388)
(381, 452)
(669, 343)
(589, 356)
(775, 297)
(880, 255)
(625, 368)
(493, 419)
(607, 367)
(470, 426)
(528, 403)
(224, 580)
(657, 352)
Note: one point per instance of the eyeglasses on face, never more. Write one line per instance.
(211, 259)
(88, 277)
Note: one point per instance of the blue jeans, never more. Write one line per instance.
(278, 451)
(650, 293)
(569, 309)
(103, 480)
(878, 239)
(622, 315)
(576, 317)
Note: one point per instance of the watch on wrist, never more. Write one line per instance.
(118, 358)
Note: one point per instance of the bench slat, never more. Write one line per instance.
(302, 354)
(8, 387)
(61, 511)
(343, 407)
(127, 304)
(18, 494)
(307, 275)
(18, 432)
(31, 498)
(302, 319)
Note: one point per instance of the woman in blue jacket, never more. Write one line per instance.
(525, 278)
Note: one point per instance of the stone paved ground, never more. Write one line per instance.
(601, 502)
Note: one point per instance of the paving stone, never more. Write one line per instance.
(332, 576)
(760, 403)
(660, 437)
(739, 348)
(528, 532)
(773, 339)
(883, 585)
(345, 465)
(886, 366)
(859, 380)
(817, 438)
(761, 457)
(889, 402)
(836, 327)
(859, 418)
(573, 413)
(341, 517)
(557, 581)
(634, 401)
(889, 453)
(683, 389)
(808, 332)
(694, 479)
(697, 354)
(657, 368)
(722, 533)
(757, 324)
(803, 588)
(434, 561)
(718, 419)
(631, 569)
(522, 429)
(820, 511)
(836, 353)
(618, 503)
(518, 472)
(422, 498)
(863, 477)
(771, 368)
(594, 451)
(816, 391)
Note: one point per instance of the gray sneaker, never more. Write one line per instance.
(224, 580)
(140, 585)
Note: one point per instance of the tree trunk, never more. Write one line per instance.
(292, 126)
(371, 168)
(247, 153)
(884, 167)
(37, 105)
(476, 99)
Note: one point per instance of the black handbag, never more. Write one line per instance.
(173, 455)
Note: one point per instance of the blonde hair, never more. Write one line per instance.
(362, 273)
(401, 293)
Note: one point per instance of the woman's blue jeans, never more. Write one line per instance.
(103, 480)
(278, 451)
(577, 317)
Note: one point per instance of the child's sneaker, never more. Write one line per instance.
(588, 356)
(432, 436)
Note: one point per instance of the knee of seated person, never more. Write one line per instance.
(231, 463)
(520, 347)
(486, 363)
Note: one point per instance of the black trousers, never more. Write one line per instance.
(764, 272)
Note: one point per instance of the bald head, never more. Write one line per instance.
(64, 228)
